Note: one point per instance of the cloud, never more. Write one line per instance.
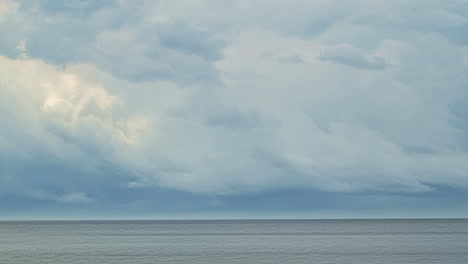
(58, 126)
(132, 45)
(7, 7)
(294, 58)
(111, 101)
(78, 8)
(347, 55)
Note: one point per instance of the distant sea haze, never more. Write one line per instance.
(415, 241)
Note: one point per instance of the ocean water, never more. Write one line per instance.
(236, 241)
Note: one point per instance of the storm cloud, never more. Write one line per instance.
(233, 99)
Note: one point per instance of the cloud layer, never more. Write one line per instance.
(250, 97)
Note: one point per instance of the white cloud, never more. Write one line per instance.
(73, 119)
(7, 7)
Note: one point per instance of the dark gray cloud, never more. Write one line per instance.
(350, 56)
(294, 58)
(78, 8)
(98, 33)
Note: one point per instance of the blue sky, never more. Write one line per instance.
(233, 109)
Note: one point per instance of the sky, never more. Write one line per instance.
(161, 109)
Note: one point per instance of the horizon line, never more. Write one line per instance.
(229, 219)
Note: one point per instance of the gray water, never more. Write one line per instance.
(236, 241)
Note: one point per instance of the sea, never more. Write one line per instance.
(396, 241)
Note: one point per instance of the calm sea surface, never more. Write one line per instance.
(243, 241)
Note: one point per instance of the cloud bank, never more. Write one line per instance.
(341, 96)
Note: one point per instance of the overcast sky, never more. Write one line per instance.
(233, 109)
